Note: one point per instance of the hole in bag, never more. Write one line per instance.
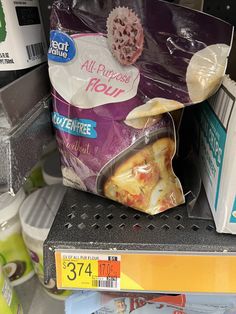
(150, 217)
(122, 226)
(123, 216)
(95, 226)
(68, 225)
(178, 217)
(81, 226)
(137, 227)
(137, 216)
(210, 228)
(195, 228)
(84, 216)
(151, 227)
(97, 216)
(165, 227)
(110, 216)
(180, 227)
(109, 227)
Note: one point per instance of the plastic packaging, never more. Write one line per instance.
(149, 303)
(9, 303)
(116, 68)
(37, 214)
(13, 254)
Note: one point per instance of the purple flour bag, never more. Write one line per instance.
(116, 68)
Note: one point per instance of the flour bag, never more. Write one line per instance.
(117, 68)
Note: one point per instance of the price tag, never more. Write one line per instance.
(87, 271)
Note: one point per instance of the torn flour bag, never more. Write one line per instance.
(116, 70)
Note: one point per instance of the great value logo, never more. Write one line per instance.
(62, 47)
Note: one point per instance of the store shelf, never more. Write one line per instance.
(168, 252)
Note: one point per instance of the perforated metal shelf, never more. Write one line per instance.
(87, 222)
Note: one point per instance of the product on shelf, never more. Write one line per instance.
(149, 303)
(37, 214)
(51, 169)
(215, 122)
(20, 23)
(9, 302)
(115, 72)
(14, 256)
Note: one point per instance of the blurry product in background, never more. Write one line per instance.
(192, 4)
(149, 303)
(35, 180)
(9, 302)
(37, 214)
(22, 40)
(215, 138)
(52, 169)
(46, 172)
(14, 257)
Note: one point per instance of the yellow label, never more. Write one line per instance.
(87, 271)
(149, 272)
(79, 273)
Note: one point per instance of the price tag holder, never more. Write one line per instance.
(87, 271)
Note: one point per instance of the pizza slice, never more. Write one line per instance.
(145, 181)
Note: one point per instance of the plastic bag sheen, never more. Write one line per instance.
(116, 68)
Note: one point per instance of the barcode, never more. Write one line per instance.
(105, 283)
(35, 51)
(222, 103)
(7, 292)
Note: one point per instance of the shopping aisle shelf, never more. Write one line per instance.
(98, 244)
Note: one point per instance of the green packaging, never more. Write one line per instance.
(37, 214)
(14, 256)
(9, 302)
